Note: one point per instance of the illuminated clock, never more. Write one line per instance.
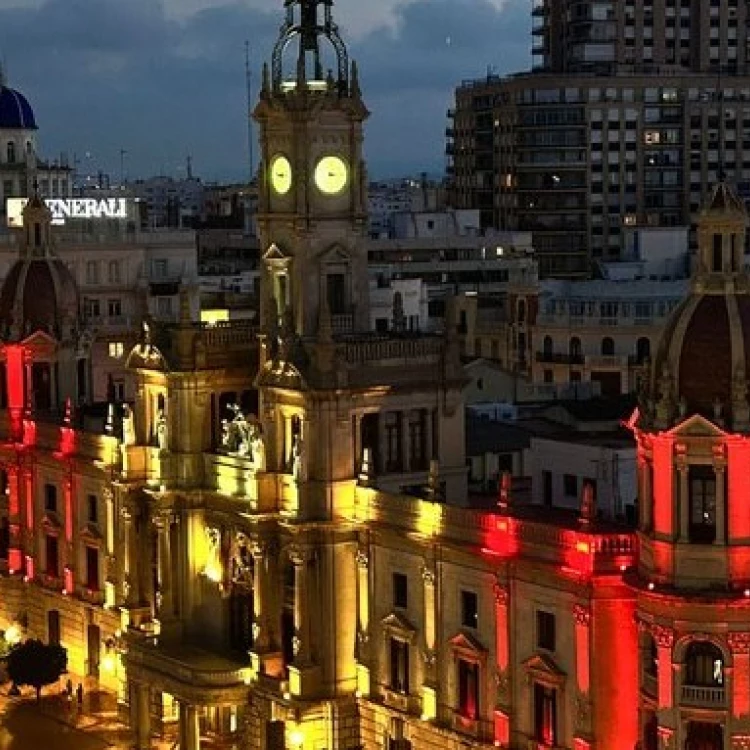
(281, 175)
(331, 175)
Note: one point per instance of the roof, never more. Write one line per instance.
(15, 111)
(488, 436)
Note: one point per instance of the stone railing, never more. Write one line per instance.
(408, 349)
(699, 695)
(232, 334)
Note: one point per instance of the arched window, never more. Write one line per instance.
(608, 347)
(11, 153)
(575, 350)
(642, 350)
(704, 665)
(547, 347)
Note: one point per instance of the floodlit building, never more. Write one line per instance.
(274, 544)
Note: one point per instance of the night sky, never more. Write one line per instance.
(166, 78)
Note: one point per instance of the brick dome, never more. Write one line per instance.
(702, 363)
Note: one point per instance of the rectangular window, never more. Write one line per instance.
(702, 489)
(91, 308)
(92, 272)
(545, 630)
(92, 568)
(114, 272)
(51, 557)
(469, 609)
(164, 306)
(570, 485)
(50, 498)
(114, 308)
(468, 689)
(400, 591)
(336, 290)
(116, 349)
(92, 509)
(399, 666)
(545, 715)
(160, 268)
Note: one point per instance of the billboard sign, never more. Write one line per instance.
(65, 209)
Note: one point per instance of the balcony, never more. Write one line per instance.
(700, 695)
(602, 361)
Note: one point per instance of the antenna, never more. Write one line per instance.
(249, 88)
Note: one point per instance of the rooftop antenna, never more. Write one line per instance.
(249, 88)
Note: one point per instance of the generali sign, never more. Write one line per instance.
(71, 208)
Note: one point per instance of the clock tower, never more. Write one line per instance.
(313, 183)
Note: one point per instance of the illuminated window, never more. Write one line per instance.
(400, 591)
(116, 349)
(651, 137)
(545, 630)
(399, 666)
(468, 689)
(545, 715)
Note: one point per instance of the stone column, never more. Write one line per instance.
(403, 428)
(684, 504)
(299, 558)
(739, 643)
(664, 638)
(190, 738)
(260, 600)
(502, 657)
(721, 500)
(429, 437)
(429, 578)
(164, 598)
(143, 714)
(130, 582)
(363, 600)
(382, 445)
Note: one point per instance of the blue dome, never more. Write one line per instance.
(15, 111)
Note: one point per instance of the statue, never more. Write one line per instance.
(241, 437)
(128, 425)
(161, 430)
(298, 459)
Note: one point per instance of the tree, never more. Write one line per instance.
(37, 664)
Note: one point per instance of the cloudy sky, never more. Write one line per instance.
(165, 78)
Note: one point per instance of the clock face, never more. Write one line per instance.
(281, 175)
(331, 175)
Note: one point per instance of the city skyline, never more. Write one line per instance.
(179, 62)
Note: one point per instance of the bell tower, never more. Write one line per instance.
(312, 179)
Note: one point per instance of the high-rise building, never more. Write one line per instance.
(631, 112)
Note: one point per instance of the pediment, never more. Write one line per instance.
(146, 356)
(467, 644)
(397, 624)
(544, 666)
(41, 341)
(697, 426)
(335, 254)
(91, 534)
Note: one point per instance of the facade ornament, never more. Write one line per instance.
(666, 738)
(430, 657)
(502, 594)
(663, 636)
(363, 560)
(428, 576)
(582, 615)
(296, 644)
(241, 436)
(161, 430)
(128, 425)
(739, 643)
(665, 404)
(502, 680)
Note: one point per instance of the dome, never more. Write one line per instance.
(15, 111)
(38, 294)
(702, 363)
